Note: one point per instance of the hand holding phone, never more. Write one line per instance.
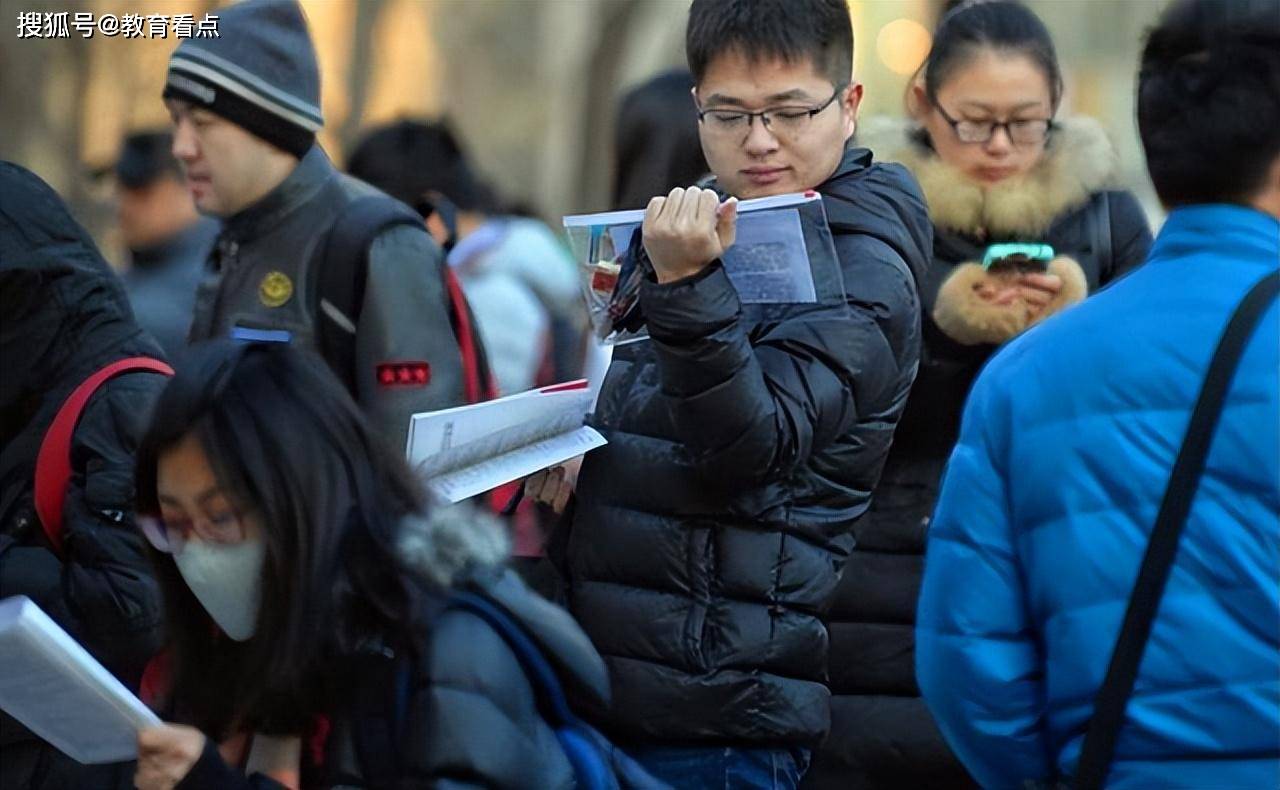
(1017, 258)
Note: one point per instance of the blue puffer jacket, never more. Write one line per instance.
(1049, 498)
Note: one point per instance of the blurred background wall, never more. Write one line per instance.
(531, 85)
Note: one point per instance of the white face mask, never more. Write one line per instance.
(227, 580)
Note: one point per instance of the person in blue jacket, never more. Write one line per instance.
(1065, 452)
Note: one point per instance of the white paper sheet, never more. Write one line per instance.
(53, 686)
(513, 465)
(468, 450)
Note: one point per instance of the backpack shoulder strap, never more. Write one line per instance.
(1100, 227)
(378, 723)
(1117, 687)
(340, 269)
(542, 677)
(53, 461)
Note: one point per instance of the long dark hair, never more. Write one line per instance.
(289, 445)
(969, 27)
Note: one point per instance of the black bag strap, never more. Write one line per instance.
(1113, 696)
(341, 274)
(378, 723)
(547, 690)
(1102, 244)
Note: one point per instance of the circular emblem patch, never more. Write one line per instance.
(275, 290)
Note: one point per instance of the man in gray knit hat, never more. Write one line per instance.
(246, 109)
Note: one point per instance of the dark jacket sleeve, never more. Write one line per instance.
(102, 589)
(1130, 235)
(752, 409)
(473, 718)
(405, 318)
(211, 772)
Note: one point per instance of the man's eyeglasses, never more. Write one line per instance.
(786, 123)
(1021, 132)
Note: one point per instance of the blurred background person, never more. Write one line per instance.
(996, 164)
(1065, 472)
(656, 147)
(75, 551)
(308, 590)
(167, 240)
(517, 275)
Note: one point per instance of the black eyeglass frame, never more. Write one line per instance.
(763, 115)
(1049, 127)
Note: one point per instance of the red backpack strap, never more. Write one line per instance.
(53, 463)
(477, 380)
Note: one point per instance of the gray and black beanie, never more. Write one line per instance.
(260, 73)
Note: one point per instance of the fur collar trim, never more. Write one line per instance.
(1079, 161)
(451, 541)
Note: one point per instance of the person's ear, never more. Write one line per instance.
(917, 99)
(1267, 199)
(850, 101)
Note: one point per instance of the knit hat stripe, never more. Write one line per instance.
(253, 82)
(215, 77)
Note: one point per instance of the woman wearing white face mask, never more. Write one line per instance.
(308, 594)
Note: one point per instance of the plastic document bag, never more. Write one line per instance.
(61, 693)
(783, 254)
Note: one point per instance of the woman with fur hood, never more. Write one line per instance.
(311, 598)
(996, 167)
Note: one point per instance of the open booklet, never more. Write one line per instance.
(468, 450)
(61, 693)
(782, 254)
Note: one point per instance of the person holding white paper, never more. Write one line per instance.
(65, 322)
(705, 540)
(310, 600)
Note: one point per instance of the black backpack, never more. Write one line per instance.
(340, 270)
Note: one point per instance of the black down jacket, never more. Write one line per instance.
(709, 534)
(64, 315)
(882, 736)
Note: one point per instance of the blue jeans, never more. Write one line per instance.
(723, 768)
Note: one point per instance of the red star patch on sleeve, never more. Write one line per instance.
(403, 374)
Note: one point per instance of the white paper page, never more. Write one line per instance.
(448, 440)
(521, 462)
(61, 693)
(636, 216)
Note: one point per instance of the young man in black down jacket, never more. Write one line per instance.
(706, 539)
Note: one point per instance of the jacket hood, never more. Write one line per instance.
(458, 545)
(64, 310)
(1078, 161)
(880, 200)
